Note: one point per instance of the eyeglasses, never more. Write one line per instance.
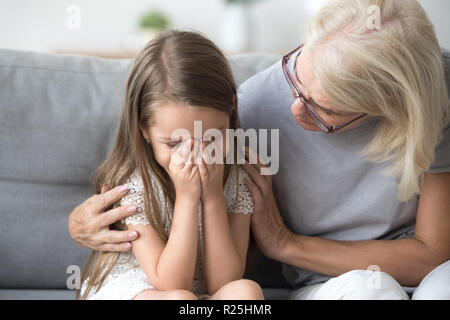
(297, 94)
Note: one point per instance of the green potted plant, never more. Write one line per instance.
(151, 23)
(155, 20)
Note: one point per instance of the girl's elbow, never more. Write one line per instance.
(169, 283)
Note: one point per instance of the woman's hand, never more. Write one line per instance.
(89, 224)
(211, 176)
(268, 227)
(184, 172)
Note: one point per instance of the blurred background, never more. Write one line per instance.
(119, 28)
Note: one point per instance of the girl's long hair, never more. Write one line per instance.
(394, 71)
(176, 66)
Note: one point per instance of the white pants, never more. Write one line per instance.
(373, 285)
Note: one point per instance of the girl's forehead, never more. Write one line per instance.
(178, 116)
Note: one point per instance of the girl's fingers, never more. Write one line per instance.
(202, 166)
(187, 151)
(190, 159)
(188, 166)
(207, 158)
(203, 170)
(220, 148)
(176, 158)
(198, 152)
(194, 171)
(180, 154)
(195, 151)
(104, 188)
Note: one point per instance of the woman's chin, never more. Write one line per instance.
(306, 125)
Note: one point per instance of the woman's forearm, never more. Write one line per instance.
(221, 259)
(407, 260)
(176, 265)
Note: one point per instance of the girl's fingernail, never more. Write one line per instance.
(127, 245)
(132, 234)
(123, 189)
(131, 209)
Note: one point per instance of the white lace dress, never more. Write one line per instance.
(127, 279)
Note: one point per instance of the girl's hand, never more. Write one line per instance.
(184, 172)
(211, 176)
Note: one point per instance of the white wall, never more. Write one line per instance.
(275, 24)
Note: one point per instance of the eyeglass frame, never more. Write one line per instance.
(297, 94)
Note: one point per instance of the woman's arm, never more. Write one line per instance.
(407, 260)
(225, 243)
(170, 266)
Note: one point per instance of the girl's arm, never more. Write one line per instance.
(225, 242)
(170, 266)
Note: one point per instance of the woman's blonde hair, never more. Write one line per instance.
(176, 66)
(394, 71)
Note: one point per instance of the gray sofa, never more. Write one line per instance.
(58, 120)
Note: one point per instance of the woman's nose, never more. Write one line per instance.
(298, 108)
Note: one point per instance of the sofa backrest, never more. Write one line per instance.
(58, 120)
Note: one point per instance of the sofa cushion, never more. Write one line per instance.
(37, 294)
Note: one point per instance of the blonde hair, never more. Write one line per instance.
(177, 66)
(395, 72)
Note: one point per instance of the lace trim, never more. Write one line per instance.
(239, 199)
(135, 197)
(237, 196)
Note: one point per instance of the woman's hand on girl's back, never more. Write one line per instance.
(89, 223)
(184, 172)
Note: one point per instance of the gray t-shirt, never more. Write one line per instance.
(323, 187)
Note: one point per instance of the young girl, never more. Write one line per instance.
(192, 217)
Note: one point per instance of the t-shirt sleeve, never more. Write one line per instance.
(442, 155)
(239, 200)
(135, 197)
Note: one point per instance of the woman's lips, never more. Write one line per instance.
(300, 120)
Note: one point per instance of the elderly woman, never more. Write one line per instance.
(364, 179)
